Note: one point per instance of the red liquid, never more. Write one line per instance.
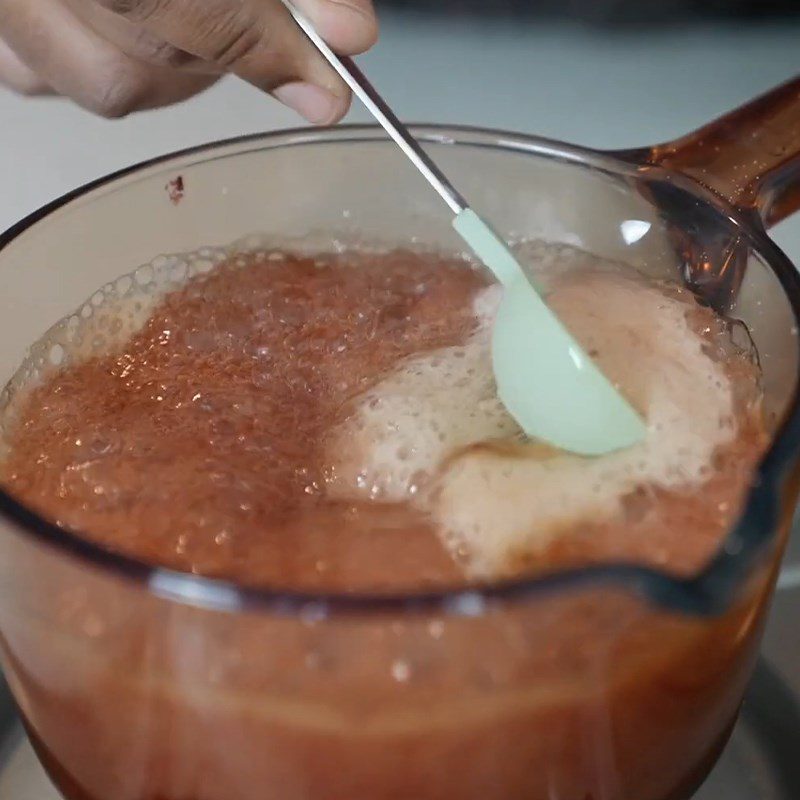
(201, 445)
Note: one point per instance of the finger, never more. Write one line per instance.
(78, 63)
(350, 27)
(134, 40)
(256, 39)
(18, 76)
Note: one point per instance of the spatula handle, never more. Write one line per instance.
(376, 105)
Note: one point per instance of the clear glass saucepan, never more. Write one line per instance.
(615, 682)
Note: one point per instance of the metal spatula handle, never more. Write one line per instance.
(376, 105)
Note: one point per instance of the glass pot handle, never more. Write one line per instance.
(750, 156)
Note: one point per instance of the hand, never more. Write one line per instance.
(118, 56)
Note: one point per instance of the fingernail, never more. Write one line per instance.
(317, 105)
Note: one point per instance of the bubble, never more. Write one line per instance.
(312, 660)
(401, 671)
(313, 613)
(144, 275)
(179, 271)
(103, 444)
(467, 604)
(56, 355)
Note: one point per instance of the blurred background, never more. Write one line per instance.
(604, 73)
(625, 12)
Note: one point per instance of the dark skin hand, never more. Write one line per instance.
(114, 57)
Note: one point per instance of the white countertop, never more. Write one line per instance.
(596, 88)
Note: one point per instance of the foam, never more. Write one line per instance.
(106, 321)
(120, 309)
(417, 435)
(428, 407)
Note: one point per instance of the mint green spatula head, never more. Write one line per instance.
(548, 384)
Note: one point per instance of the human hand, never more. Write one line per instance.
(118, 56)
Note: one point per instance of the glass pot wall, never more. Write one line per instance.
(611, 683)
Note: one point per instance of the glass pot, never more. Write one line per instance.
(616, 682)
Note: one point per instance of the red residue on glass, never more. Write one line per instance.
(175, 190)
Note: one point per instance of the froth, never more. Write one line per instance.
(430, 406)
(107, 320)
(434, 433)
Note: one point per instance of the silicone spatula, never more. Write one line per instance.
(548, 384)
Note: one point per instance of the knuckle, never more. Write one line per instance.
(157, 52)
(135, 10)
(218, 31)
(122, 91)
(231, 39)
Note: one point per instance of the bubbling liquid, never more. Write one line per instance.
(332, 422)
